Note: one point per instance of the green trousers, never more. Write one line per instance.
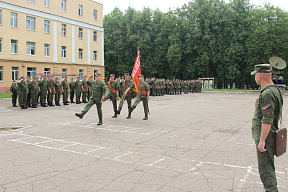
(145, 103)
(65, 95)
(22, 98)
(128, 97)
(84, 95)
(57, 96)
(50, 97)
(43, 96)
(33, 98)
(112, 97)
(14, 98)
(266, 165)
(78, 95)
(91, 102)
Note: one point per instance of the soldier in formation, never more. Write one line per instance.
(13, 91)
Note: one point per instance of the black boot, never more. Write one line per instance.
(52, 104)
(66, 103)
(14, 105)
(129, 116)
(22, 106)
(34, 106)
(118, 111)
(115, 115)
(100, 122)
(146, 117)
(132, 108)
(80, 115)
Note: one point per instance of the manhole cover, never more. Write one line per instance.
(10, 128)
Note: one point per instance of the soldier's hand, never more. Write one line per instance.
(101, 101)
(261, 146)
(125, 93)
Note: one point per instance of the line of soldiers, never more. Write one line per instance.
(44, 90)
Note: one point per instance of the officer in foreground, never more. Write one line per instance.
(143, 95)
(268, 110)
(98, 94)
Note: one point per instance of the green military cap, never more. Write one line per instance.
(141, 75)
(97, 74)
(13, 81)
(126, 74)
(112, 75)
(56, 78)
(27, 76)
(262, 68)
(21, 77)
(78, 77)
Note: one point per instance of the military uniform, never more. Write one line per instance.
(57, 93)
(28, 102)
(143, 94)
(43, 92)
(98, 92)
(112, 94)
(72, 91)
(23, 88)
(14, 90)
(84, 91)
(51, 89)
(65, 91)
(78, 89)
(268, 110)
(33, 90)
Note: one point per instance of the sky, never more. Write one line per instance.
(164, 5)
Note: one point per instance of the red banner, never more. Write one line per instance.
(136, 72)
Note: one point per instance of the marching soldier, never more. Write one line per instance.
(113, 93)
(72, 90)
(144, 92)
(23, 91)
(65, 90)
(84, 90)
(33, 90)
(57, 91)
(98, 94)
(78, 89)
(128, 94)
(13, 91)
(43, 91)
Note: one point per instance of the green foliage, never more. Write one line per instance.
(204, 38)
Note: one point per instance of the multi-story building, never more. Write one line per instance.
(40, 37)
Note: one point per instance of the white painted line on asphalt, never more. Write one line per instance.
(94, 150)
(196, 166)
(44, 142)
(158, 161)
(243, 180)
(118, 158)
(68, 146)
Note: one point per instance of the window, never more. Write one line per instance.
(63, 51)
(64, 71)
(80, 33)
(80, 10)
(15, 71)
(95, 14)
(0, 17)
(14, 46)
(47, 50)
(30, 48)
(31, 72)
(47, 3)
(1, 73)
(46, 72)
(63, 29)
(94, 55)
(81, 74)
(95, 36)
(80, 53)
(30, 23)
(63, 5)
(31, 1)
(0, 45)
(46, 26)
(13, 19)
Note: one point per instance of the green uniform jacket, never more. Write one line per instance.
(268, 109)
(114, 85)
(65, 85)
(72, 86)
(43, 86)
(78, 86)
(51, 85)
(57, 86)
(22, 87)
(33, 87)
(13, 88)
(129, 83)
(144, 87)
(84, 84)
(98, 89)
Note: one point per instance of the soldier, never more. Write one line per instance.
(113, 93)
(28, 102)
(23, 91)
(43, 91)
(98, 93)
(13, 91)
(89, 93)
(65, 90)
(268, 111)
(128, 94)
(72, 90)
(84, 90)
(121, 87)
(144, 92)
(154, 88)
(51, 90)
(57, 91)
(33, 90)
(78, 89)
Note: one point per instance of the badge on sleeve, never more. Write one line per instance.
(268, 111)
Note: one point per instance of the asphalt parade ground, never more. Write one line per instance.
(195, 142)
